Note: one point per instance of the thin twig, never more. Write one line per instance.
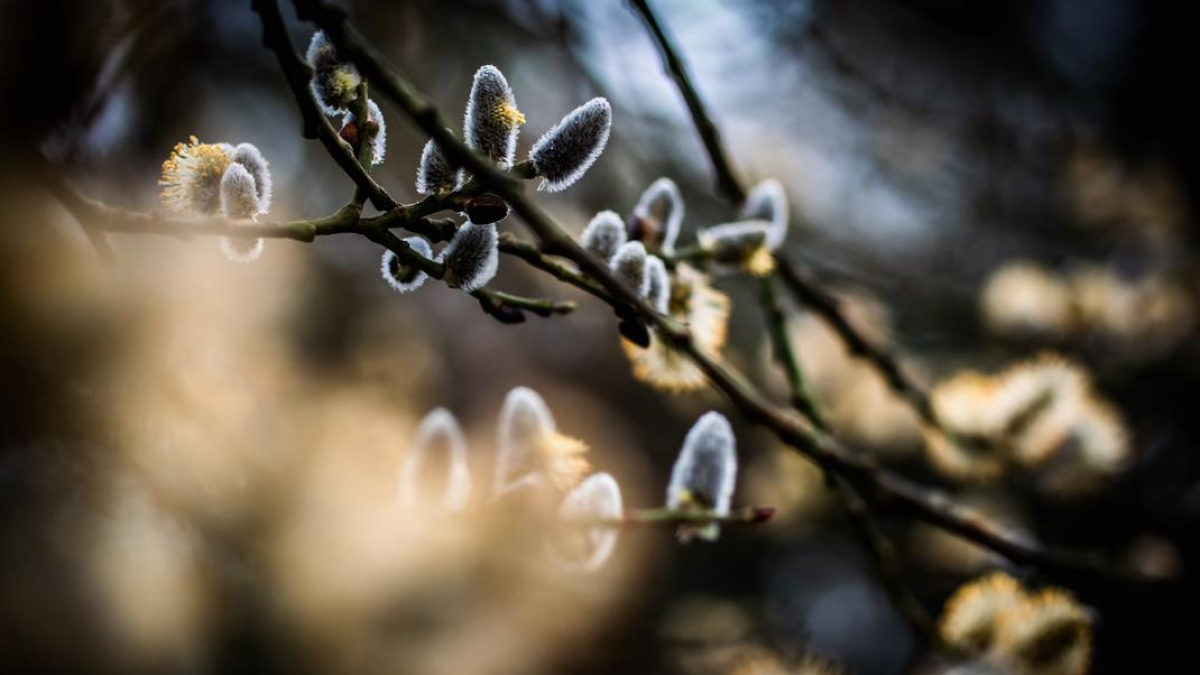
(532, 255)
(727, 181)
(877, 544)
(805, 290)
(494, 302)
(828, 307)
(316, 125)
(749, 515)
(777, 326)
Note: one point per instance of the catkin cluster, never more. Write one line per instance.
(638, 250)
(1032, 633)
(536, 464)
(1042, 417)
(208, 179)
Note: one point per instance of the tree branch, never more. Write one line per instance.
(881, 486)
(749, 515)
(727, 181)
(828, 307)
(316, 125)
(878, 546)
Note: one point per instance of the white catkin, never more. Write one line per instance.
(242, 250)
(706, 469)
(387, 267)
(604, 235)
(524, 419)
(239, 195)
(598, 497)
(379, 144)
(732, 242)
(568, 150)
(662, 204)
(629, 264)
(249, 156)
(334, 83)
(658, 281)
(768, 201)
(239, 202)
(438, 430)
(472, 256)
(489, 125)
(434, 174)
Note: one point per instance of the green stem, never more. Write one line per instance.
(544, 307)
(749, 515)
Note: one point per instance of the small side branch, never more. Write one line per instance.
(533, 255)
(509, 308)
(749, 515)
(825, 305)
(876, 543)
(727, 181)
(316, 125)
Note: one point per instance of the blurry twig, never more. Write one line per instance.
(727, 180)
(507, 307)
(749, 515)
(880, 548)
(828, 307)
(316, 125)
(879, 485)
(98, 219)
(531, 254)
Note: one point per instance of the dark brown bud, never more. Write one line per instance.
(486, 208)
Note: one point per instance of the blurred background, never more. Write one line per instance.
(198, 459)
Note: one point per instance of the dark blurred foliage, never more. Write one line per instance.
(923, 143)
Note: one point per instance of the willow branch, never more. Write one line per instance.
(805, 290)
(98, 219)
(509, 308)
(881, 486)
(876, 543)
(749, 515)
(533, 255)
(782, 348)
(828, 307)
(727, 181)
(298, 75)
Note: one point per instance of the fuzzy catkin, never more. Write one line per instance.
(492, 120)
(705, 472)
(335, 83)
(252, 159)
(434, 174)
(472, 257)
(659, 213)
(768, 202)
(241, 249)
(379, 141)
(598, 497)
(658, 289)
(568, 150)
(629, 264)
(438, 431)
(401, 277)
(239, 194)
(604, 235)
(733, 242)
(240, 202)
(191, 177)
(524, 420)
